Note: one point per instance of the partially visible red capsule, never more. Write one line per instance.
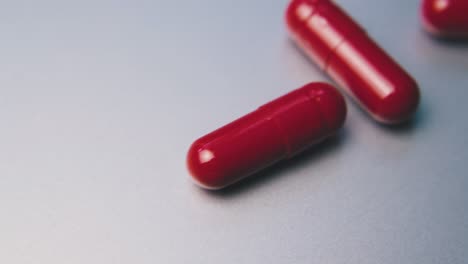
(275, 131)
(445, 18)
(341, 48)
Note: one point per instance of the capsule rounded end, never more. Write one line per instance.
(399, 106)
(331, 103)
(201, 163)
(437, 17)
(299, 11)
(433, 16)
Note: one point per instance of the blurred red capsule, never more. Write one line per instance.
(445, 18)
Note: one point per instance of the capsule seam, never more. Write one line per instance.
(333, 51)
(314, 102)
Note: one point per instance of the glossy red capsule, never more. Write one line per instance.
(275, 131)
(342, 49)
(445, 18)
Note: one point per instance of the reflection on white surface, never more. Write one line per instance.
(304, 11)
(206, 156)
(440, 5)
(359, 64)
(320, 26)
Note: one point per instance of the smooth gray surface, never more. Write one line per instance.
(100, 100)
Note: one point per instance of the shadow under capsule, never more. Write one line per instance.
(269, 174)
(415, 122)
(447, 41)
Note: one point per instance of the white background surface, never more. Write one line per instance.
(100, 100)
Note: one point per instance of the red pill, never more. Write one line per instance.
(275, 131)
(445, 18)
(343, 50)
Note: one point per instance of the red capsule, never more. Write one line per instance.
(342, 49)
(275, 131)
(445, 18)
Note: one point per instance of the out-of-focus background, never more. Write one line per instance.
(100, 100)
